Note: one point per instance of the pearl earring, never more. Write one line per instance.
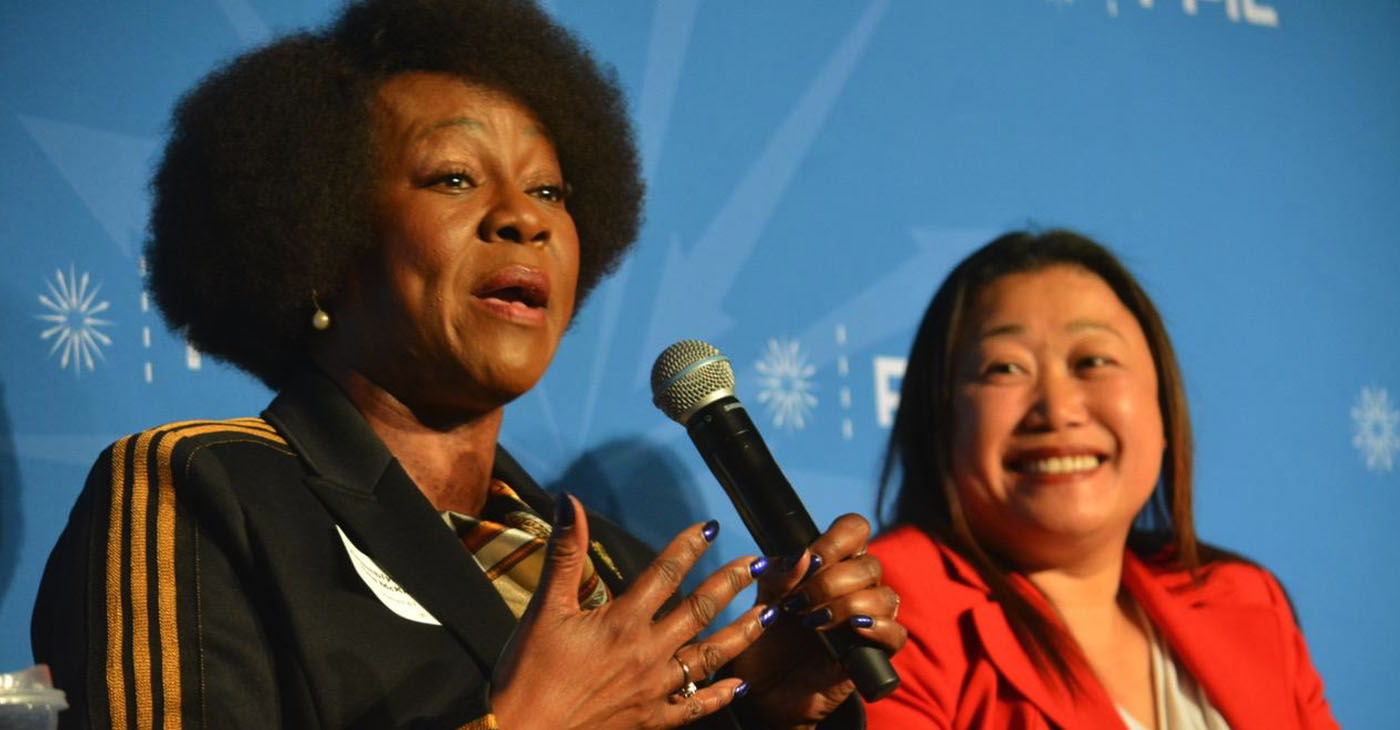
(320, 319)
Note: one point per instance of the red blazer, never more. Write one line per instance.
(963, 667)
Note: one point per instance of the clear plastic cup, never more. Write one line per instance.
(29, 701)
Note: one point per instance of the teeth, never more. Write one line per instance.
(1062, 464)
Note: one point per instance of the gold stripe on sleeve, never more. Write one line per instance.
(258, 424)
(165, 616)
(165, 584)
(116, 673)
(139, 587)
(167, 620)
(485, 722)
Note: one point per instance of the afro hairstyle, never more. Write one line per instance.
(261, 200)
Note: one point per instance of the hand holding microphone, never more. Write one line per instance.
(693, 384)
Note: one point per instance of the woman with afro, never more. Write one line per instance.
(391, 223)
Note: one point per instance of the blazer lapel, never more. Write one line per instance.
(1015, 664)
(382, 511)
(1016, 667)
(402, 533)
(1234, 652)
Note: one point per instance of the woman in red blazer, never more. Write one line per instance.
(1043, 540)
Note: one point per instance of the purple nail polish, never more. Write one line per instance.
(862, 622)
(710, 530)
(757, 567)
(564, 511)
(767, 617)
(813, 566)
(816, 618)
(741, 690)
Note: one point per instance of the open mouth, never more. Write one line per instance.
(515, 287)
(1055, 464)
(528, 296)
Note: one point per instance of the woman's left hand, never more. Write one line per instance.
(793, 682)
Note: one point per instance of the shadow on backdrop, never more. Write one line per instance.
(11, 520)
(642, 487)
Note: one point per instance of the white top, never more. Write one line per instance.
(1180, 703)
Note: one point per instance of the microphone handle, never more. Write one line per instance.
(779, 523)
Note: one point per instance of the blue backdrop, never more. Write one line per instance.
(814, 170)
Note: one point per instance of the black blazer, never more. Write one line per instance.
(202, 582)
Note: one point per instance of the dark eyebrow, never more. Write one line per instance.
(999, 330)
(1074, 326)
(1092, 324)
(474, 125)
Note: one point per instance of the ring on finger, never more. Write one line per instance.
(688, 688)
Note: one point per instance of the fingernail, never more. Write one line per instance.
(813, 566)
(767, 617)
(741, 690)
(757, 567)
(862, 622)
(790, 561)
(795, 603)
(710, 530)
(816, 618)
(564, 511)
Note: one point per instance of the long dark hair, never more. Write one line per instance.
(921, 441)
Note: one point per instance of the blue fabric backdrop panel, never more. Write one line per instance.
(814, 171)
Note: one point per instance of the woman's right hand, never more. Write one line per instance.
(616, 666)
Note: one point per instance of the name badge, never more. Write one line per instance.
(389, 593)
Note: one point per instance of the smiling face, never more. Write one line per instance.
(1058, 439)
(473, 283)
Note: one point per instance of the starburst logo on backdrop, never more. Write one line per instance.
(1377, 425)
(75, 328)
(786, 379)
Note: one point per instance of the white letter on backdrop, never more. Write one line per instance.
(887, 369)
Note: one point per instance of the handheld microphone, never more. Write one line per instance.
(693, 384)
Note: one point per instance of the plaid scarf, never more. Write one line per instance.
(508, 543)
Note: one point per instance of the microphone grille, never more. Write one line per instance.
(689, 375)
